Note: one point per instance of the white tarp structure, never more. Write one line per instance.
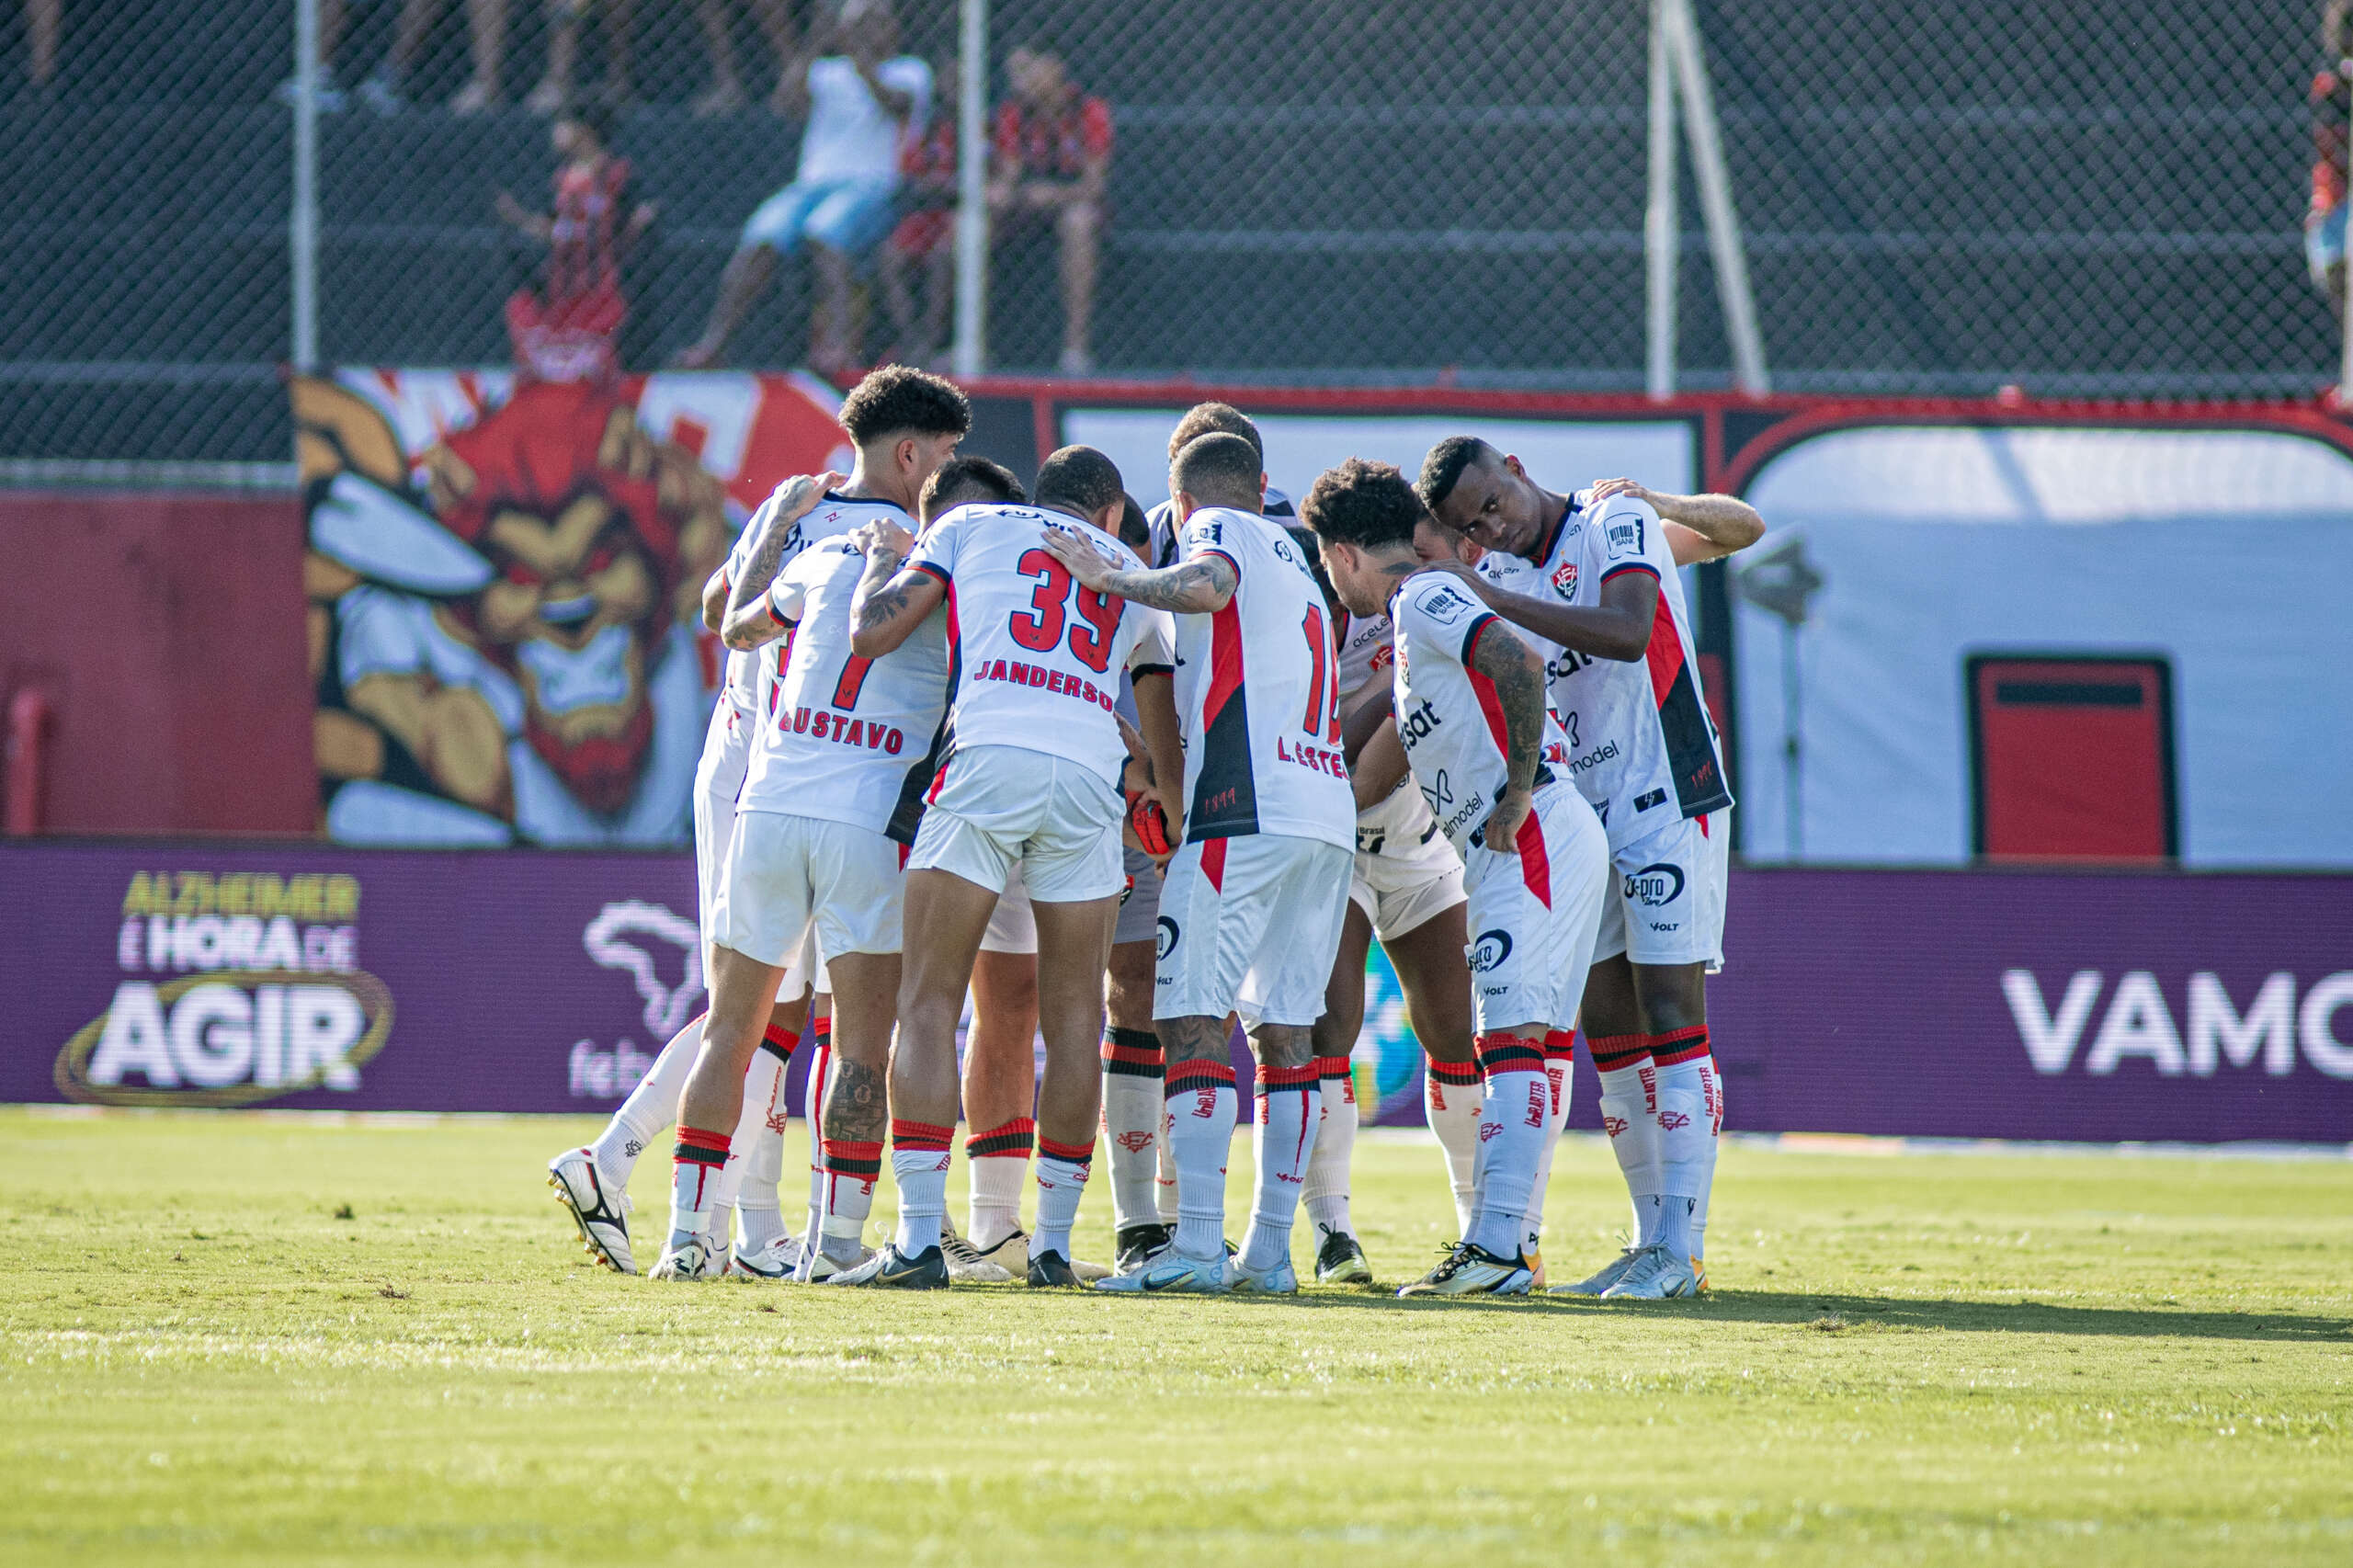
(2228, 553)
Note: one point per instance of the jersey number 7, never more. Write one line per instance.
(1040, 627)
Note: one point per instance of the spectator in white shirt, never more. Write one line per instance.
(864, 103)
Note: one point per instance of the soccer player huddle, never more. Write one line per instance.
(972, 745)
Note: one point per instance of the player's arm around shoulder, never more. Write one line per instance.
(1199, 585)
(1698, 527)
(748, 623)
(892, 598)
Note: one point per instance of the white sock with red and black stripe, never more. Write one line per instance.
(919, 1161)
(1201, 1111)
(758, 1209)
(696, 1161)
(845, 1173)
(1324, 1195)
(1689, 1113)
(1512, 1117)
(812, 1111)
(762, 1082)
(1061, 1181)
(1450, 1095)
(1134, 1105)
(1283, 1144)
(651, 1106)
(1630, 1115)
(1560, 1056)
(997, 1162)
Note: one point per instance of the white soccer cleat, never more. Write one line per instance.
(1657, 1273)
(601, 1215)
(1088, 1273)
(777, 1260)
(689, 1257)
(1608, 1274)
(1473, 1271)
(1172, 1274)
(968, 1265)
(1281, 1280)
(817, 1264)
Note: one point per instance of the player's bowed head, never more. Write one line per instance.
(1366, 516)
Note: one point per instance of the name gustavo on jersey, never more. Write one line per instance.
(824, 724)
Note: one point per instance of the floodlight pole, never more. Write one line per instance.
(302, 218)
(1708, 170)
(971, 191)
(1660, 236)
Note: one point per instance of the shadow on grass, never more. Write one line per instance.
(1840, 1314)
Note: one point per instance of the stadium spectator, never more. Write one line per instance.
(1052, 160)
(923, 247)
(864, 102)
(726, 95)
(567, 329)
(565, 18)
(2332, 104)
(386, 88)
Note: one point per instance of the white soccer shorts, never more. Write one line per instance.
(1013, 925)
(1534, 912)
(1666, 897)
(1402, 887)
(994, 807)
(788, 876)
(1249, 924)
(1140, 911)
(714, 834)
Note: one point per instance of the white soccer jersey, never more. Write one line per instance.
(1033, 657)
(1257, 692)
(1368, 653)
(1162, 520)
(1641, 747)
(1447, 713)
(727, 743)
(850, 740)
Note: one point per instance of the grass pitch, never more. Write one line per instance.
(230, 1338)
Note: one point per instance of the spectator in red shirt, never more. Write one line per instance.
(924, 242)
(568, 328)
(1052, 160)
(2332, 103)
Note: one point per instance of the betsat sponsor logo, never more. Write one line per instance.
(237, 988)
(2189, 1029)
(648, 942)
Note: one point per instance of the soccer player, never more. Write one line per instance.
(1205, 419)
(1032, 776)
(1488, 761)
(1251, 908)
(809, 868)
(592, 1182)
(1594, 576)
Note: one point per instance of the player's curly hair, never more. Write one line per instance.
(901, 400)
(1214, 418)
(1079, 479)
(1363, 504)
(1442, 468)
(963, 479)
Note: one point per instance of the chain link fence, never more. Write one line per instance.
(1933, 199)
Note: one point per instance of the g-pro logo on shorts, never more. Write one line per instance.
(1489, 950)
(1167, 936)
(1654, 887)
(237, 988)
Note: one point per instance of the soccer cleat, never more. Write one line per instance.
(1535, 1260)
(1281, 1280)
(968, 1265)
(689, 1257)
(1088, 1273)
(818, 1266)
(1473, 1271)
(1051, 1268)
(1608, 1274)
(602, 1217)
(1172, 1274)
(780, 1259)
(1340, 1261)
(1138, 1244)
(1657, 1273)
(1699, 1275)
(891, 1270)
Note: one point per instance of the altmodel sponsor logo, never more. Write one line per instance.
(1655, 887)
(266, 996)
(1606, 752)
(2207, 1032)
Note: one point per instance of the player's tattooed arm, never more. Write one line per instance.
(1518, 676)
(891, 599)
(1618, 629)
(1698, 528)
(1202, 585)
(748, 623)
(1377, 770)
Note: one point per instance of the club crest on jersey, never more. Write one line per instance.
(1654, 887)
(1565, 579)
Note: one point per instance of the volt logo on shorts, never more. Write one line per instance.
(1654, 887)
(1168, 944)
(1489, 950)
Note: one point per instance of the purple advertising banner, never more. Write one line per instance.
(2088, 1005)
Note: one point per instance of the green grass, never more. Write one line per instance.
(2045, 1359)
